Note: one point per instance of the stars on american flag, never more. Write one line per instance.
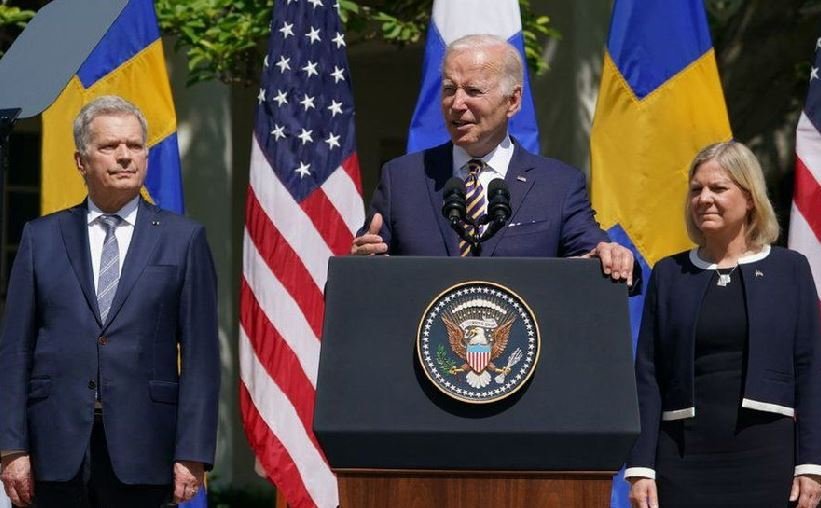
(278, 132)
(287, 29)
(313, 35)
(306, 88)
(283, 64)
(310, 68)
(281, 98)
(305, 136)
(335, 108)
(307, 102)
(303, 170)
(333, 140)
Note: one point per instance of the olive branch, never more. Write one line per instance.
(443, 360)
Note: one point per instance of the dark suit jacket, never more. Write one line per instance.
(54, 350)
(551, 210)
(784, 360)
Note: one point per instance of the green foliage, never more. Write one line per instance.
(225, 39)
(534, 30)
(221, 37)
(12, 18)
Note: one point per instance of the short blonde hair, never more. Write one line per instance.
(742, 167)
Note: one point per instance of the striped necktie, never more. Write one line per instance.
(475, 199)
(109, 265)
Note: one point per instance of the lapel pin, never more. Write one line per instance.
(521, 178)
(155, 223)
(759, 273)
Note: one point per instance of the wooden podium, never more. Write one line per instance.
(362, 488)
(395, 440)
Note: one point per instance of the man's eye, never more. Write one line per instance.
(448, 90)
(474, 92)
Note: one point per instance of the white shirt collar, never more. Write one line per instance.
(498, 159)
(128, 212)
(699, 262)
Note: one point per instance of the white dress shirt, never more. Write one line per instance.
(123, 232)
(497, 162)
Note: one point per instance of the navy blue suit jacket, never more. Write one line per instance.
(784, 360)
(551, 213)
(54, 345)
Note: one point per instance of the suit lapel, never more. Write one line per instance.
(74, 229)
(139, 252)
(519, 182)
(438, 170)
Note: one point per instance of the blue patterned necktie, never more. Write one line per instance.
(109, 265)
(475, 199)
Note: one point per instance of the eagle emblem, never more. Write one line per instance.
(478, 342)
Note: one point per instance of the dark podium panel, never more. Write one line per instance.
(375, 409)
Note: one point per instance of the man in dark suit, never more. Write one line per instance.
(109, 358)
(551, 214)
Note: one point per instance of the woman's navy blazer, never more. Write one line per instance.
(784, 354)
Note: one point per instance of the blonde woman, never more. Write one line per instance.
(729, 355)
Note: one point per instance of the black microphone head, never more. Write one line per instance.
(453, 194)
(455, 184)
(498, 198)
(497, 186)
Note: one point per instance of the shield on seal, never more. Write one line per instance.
(477, 356)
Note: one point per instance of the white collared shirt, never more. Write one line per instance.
(497, 162)
(96, 233)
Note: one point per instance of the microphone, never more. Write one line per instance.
(454, 208)
(498, 207)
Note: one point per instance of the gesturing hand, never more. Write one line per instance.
(370, 242)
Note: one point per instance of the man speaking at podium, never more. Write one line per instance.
(550, 210)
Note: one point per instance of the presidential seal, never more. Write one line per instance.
(478, 342)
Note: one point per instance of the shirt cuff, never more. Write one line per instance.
(808, 469)
(640, 472)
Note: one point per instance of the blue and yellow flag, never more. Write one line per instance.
(129, 62)
(660, 102)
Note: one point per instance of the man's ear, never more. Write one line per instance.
(78, 161)
(515, 101)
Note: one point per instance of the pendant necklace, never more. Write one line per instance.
(724, 278)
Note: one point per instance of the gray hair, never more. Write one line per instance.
(106, 105)
(742, 167)
(512, 65)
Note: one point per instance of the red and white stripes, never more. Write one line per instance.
(805, 218)
(285, 266)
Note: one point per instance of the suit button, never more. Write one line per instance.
(92, 385)
(102, 340)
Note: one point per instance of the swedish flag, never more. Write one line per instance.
(129, 62)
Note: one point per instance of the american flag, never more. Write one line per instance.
(805, 217)
(304, 203)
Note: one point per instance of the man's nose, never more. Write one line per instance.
(122, 152)
(459, 99)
